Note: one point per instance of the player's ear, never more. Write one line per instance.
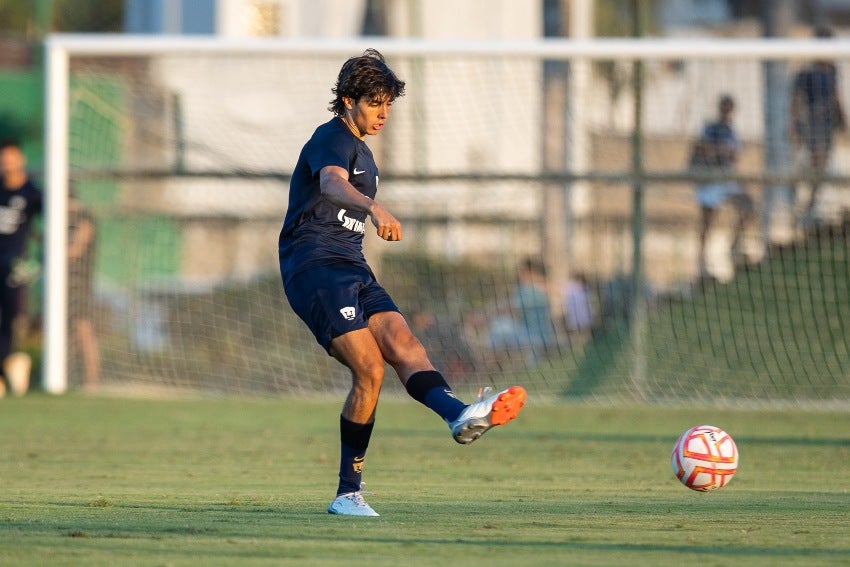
(348, 102)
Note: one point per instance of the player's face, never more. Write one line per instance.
(12, 160)
(367, 115)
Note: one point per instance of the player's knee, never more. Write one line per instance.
(369, 369)
(369, 379)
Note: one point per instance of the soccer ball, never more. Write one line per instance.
(705, 458)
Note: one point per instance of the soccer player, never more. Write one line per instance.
(816, 114)
(20, 200)
(332, 288)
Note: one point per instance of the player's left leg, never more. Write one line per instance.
(403, 351)
(487, 412)
(407, 356)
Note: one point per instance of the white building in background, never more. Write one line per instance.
(245, 18)
(334, 18)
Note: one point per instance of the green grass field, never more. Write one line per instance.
(101, 481)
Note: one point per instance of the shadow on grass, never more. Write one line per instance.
(787, 441)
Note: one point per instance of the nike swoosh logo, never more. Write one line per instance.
(359, 172)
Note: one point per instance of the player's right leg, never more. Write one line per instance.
(326, 299)
(359, 351)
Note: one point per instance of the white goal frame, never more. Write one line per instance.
(61, 47)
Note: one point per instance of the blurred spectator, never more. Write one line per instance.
(816, 114)
(20, 201)
(578, 309)
(81, 239)
(529, 323)
(716, 151)
(531, 302)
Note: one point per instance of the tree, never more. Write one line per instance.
(88, 15)
(33, 19)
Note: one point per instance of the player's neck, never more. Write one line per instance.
(351, 127)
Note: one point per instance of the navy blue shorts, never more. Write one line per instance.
(336, 299)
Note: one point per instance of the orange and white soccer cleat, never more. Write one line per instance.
(487, 412)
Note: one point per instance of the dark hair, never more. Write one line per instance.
(726, 102)
(9, 143)
(533, 266)
(365, 75)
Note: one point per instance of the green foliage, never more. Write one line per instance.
(95, 481)
(616, 18)
(61, 15)
(88, 16)
(13, 127)
(16, 16)
(21, 112)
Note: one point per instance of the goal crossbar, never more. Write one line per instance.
(550, 48)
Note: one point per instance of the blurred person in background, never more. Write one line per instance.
(578, 306)
(716, 151)
(81, 240)
(816, 115)
(532, 306)
(20, 201)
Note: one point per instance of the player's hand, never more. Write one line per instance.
(391, 232)
(389, 228)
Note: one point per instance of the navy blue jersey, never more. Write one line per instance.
(315, 231)
(817, 87)
(17, 208)
(716, 146)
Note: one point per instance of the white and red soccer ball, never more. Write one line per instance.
(705, 458)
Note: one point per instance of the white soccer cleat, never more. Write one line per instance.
(351, 504)
(480, 416)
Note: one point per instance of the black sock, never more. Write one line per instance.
(431, 389)
(354, 440)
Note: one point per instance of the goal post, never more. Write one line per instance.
(182, 148)
(55, 315)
